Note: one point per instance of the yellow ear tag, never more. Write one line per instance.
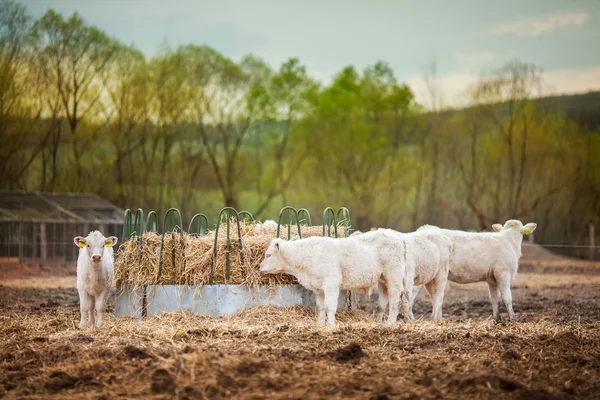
(527, 231)
(81, 244)
(109, 244)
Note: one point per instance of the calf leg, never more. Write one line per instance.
(382, 301)
(101, 306)
(436, 289)
(354, 300)
(84, 308)
(494, 297)
(407, 299)
(394, 295)
(91, 310)
(331, 301)
(416, 290)
(504, 286)
(320, 306)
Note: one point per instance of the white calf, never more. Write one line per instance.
(428, 259)
(491, 257)
(392, 255)
(425, 256)
(94, 275)
(327, 265)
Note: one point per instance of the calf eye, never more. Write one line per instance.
(267, 256)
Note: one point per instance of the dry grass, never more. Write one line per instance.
(41, 282)
(549, 281)
(187, 259)
(552, 351)
(12, 271)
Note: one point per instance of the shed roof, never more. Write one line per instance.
(58, 207)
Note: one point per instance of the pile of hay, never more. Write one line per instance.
(187, 258)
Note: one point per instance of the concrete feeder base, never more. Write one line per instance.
(212, 300)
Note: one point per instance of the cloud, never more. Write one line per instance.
(572, 80)
(537, 26)
(476, 58)
(556, 81)
(452, 85)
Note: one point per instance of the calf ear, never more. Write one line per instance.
(296, 237)
(497, 227)
(111, 241)
(79, 241)
(528, 228)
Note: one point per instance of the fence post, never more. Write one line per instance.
(43, 242)
(592, 242)
(21, 239)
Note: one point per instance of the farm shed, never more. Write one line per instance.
(38, 228)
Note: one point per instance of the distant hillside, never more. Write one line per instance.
(582, 108)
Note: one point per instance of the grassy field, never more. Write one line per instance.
(552, 351)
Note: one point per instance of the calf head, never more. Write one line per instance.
(274, 262)
(516, 225)
(94, 244)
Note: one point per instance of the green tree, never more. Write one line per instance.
(290, 95)
(73, 57)
(361, 123)
(505, 139)
(170, 111)
(222, 117)
(18, 150)
(125, 110)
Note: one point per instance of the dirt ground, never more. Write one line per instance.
(551, 352)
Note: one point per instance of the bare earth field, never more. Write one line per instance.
(551, 352)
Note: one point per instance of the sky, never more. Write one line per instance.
(464, 38)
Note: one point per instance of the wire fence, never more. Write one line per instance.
(52, 243)
(580, 251)
(47, 242)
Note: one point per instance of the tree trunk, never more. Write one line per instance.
(230, 200)
(55, 145)
(415, 218)
(592, 232)
(432, 212)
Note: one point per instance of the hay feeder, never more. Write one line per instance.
(208, 273)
